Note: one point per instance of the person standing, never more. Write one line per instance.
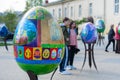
(66, 34)
(117, 38)
(73, 46)
(111, 35)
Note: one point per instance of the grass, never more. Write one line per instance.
(2, 44)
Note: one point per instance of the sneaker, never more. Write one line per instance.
(73, 68)
(106, 50)
(65, 73)
(68, 67)
(114, 50)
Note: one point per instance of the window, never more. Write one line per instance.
(90, 9)
(65, 12)
(116, 10)
(59, 13)
(80, 10)
(71, 11)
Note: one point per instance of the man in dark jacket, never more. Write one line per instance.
(66, 33)
(111, 35)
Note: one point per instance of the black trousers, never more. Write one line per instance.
(109, 42)
(117, 46)
(71, 55)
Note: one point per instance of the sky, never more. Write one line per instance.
(17, 5)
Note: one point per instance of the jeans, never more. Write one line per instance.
(63, 63)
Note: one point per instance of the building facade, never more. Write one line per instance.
(108, 10)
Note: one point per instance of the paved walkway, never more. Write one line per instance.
(108, 66)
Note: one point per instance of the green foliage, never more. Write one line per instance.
(60, 21)
(32, 3)
(1, 19)
(10, 20)
(3, 44)
(78, 22)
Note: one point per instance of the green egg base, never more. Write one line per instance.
(38, 69)
(100, 30)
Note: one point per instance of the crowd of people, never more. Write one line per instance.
(114, 37)
(70, 36)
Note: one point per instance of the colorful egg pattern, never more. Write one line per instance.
(100, 25)
(38, 42)
(89, 33)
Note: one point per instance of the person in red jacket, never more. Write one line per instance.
(117, 38)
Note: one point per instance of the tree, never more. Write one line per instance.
(1, 19)
(80, 21)
(32, 3)
(10, 19)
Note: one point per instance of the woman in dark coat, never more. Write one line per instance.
(111, 35)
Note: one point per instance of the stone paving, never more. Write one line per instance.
(108, 65)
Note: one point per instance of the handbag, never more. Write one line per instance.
(76, 50)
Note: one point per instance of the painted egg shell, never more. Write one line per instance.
(100, 25)
(119, 29)
(89, 33)
(3, 30)
(38, 42)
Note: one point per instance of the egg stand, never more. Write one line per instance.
(33, 76)
(5, 37)
(5, 43)
(5, 40)
(90, 51)
(100, 39)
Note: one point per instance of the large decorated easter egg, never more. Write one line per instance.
(38, 42)
(100, 25)
(119, 29)
(3, 30)
(89, 33)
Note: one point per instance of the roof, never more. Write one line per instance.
(57, 2)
